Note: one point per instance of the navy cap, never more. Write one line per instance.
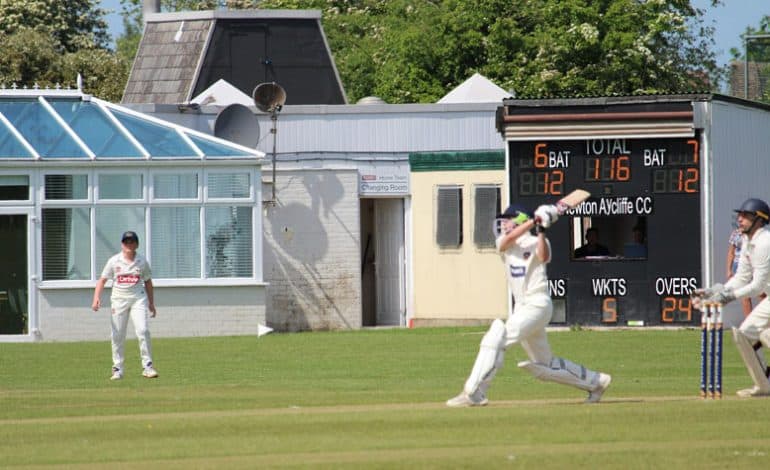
(129, 236)
(513, 211)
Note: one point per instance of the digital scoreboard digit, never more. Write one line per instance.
(645, 205)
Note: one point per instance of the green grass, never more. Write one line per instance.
(375, 399)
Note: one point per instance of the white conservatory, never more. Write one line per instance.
(77, 171)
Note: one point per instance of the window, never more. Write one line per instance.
(609, 238)
(449, 218)
(229, 185)
(110, 223)
(120, 186)
(176, 242)
(66, 187)
(14, 187)
(486, 206)
(183, 235)
(228, 242)
(175, 186)
(66, 243)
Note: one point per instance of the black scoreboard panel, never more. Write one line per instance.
(648, 186)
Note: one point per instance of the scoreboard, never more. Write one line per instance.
(645, 208)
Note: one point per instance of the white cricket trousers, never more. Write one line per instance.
(757, 321)
(525, 326)
(137, 310)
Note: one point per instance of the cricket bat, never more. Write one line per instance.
(571, 200)
(566, 203)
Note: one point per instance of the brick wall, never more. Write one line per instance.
(312, 251)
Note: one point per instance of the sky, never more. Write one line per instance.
(730, 20)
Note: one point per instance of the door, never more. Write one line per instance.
(14, 274)
(389, 256)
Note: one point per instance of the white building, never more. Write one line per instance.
(75, 172)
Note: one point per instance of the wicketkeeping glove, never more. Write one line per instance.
(724, 297)
(708, 292)
(697, 302)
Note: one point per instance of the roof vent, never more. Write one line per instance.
(371, 100)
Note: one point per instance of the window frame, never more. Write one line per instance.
(148, 202)
(30, 188)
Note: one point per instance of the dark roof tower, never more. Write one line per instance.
(182, 54)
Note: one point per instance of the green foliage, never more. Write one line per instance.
(47, 44)
(32, 58)
(416, 51)
(408, 51)
(104, 73)
(757, 50)
(73, 25)
(370, 399)
(28, 57)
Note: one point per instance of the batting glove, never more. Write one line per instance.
(546, 215)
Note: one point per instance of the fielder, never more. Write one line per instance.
(525, 256)
(751, 279)
(132, 295)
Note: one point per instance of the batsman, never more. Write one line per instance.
(525, 256)
(751, 279)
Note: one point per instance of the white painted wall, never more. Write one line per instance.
(66, 314)
(312, 250)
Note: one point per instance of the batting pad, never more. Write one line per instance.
(489, 360)
(564, 372)
(753, 359)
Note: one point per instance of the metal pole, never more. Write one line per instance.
(749, 38)
(274, 130)
(746, 69)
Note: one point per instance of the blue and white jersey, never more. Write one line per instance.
(526, 273)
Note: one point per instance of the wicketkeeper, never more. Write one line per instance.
(132, 295)
(525, 257)
(751, 279)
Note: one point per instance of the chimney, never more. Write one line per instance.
(149, 6)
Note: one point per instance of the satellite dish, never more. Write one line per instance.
(269, 97)
(237, 123)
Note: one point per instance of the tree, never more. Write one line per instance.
(416, 51)
(73, 25)
(408, 51)
(757, 55)
(47, 44)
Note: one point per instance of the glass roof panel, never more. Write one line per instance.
(94, 127)
(215, 149)
(10, 146)
(158, 140)
(40, 129)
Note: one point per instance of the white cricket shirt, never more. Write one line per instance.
(128, 277)
(753, 275)
(526, 273)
